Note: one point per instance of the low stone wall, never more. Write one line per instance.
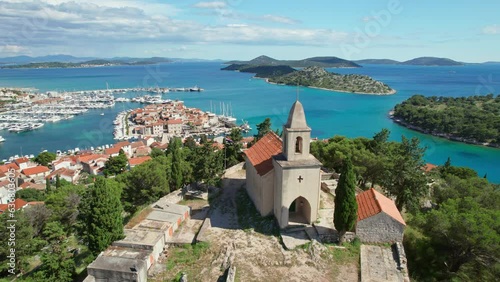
(379, 228)
(234, 168)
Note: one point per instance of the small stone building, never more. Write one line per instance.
(379, 221)
(283, 178)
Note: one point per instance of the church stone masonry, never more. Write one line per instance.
(283, 178)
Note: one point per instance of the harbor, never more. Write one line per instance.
(29, 110)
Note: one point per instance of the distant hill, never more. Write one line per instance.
(432, 61)
(324, 62)
(377, 62)
(261, 71)
(44, 59)
(24, 60)
(90, 63)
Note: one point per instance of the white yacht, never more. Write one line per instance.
(2, 139)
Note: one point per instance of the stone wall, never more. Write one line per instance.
(380, 228)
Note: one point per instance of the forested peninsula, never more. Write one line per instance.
(474, 119)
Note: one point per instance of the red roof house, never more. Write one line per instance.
(18, 204)
(379, 220)
(428, 167)
(137, 161)
(37, 171)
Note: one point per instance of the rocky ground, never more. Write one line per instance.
(256, 252)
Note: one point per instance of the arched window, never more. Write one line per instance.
(298, 145)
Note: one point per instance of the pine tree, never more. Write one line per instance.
(103, 215)
(263, 128)
(346, 207)
(57, 264)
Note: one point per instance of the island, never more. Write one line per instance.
(474, 119)
(324, 62)
(89, 64)
(432, 61)
(316, 77)
(377, 62)
(421, 61)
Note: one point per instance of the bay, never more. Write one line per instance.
(328, 113)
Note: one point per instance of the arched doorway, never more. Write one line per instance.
(299, 211)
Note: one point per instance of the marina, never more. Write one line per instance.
(252, 100)
(36, 109)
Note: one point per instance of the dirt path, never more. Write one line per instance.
(259, 256)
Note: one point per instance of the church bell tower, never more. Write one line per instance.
(296, 173)
(296, 134)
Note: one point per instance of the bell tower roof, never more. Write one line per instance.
(296, 117)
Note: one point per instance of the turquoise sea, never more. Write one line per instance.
(328, 113)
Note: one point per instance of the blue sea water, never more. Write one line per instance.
(328, 113)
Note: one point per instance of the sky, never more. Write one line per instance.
(467, 31)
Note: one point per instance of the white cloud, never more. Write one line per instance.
(12, 49)
(43, 26)
(491, 29)
(280, 19)
(237, 25)
(211, 5)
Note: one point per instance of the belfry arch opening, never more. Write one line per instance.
(299, 211)
(298, 145)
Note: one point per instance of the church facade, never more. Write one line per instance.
(282, 177)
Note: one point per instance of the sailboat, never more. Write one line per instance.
(245, 127)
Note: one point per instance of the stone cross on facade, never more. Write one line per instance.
(300, 178)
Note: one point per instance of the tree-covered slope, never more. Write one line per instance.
(471, 119)
(320, 78)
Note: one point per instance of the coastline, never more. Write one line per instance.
(442, 135)
(333, 90)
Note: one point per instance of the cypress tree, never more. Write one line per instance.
(58, 181)
(346, 207)
(174, 148)
(47, 185)
(103, 215)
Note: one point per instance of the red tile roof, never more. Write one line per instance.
(218, 146)
(112, 150)
(89, 158)
(372, 202)
(174, 121)
(138, 160)
(21, 160)
(122, 144)
(428, 167)
(35, 170)
(261, 153)
(137, 144)
(32, 185)
(18, 204)
(6, 167)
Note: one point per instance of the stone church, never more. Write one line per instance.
(282, 177)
